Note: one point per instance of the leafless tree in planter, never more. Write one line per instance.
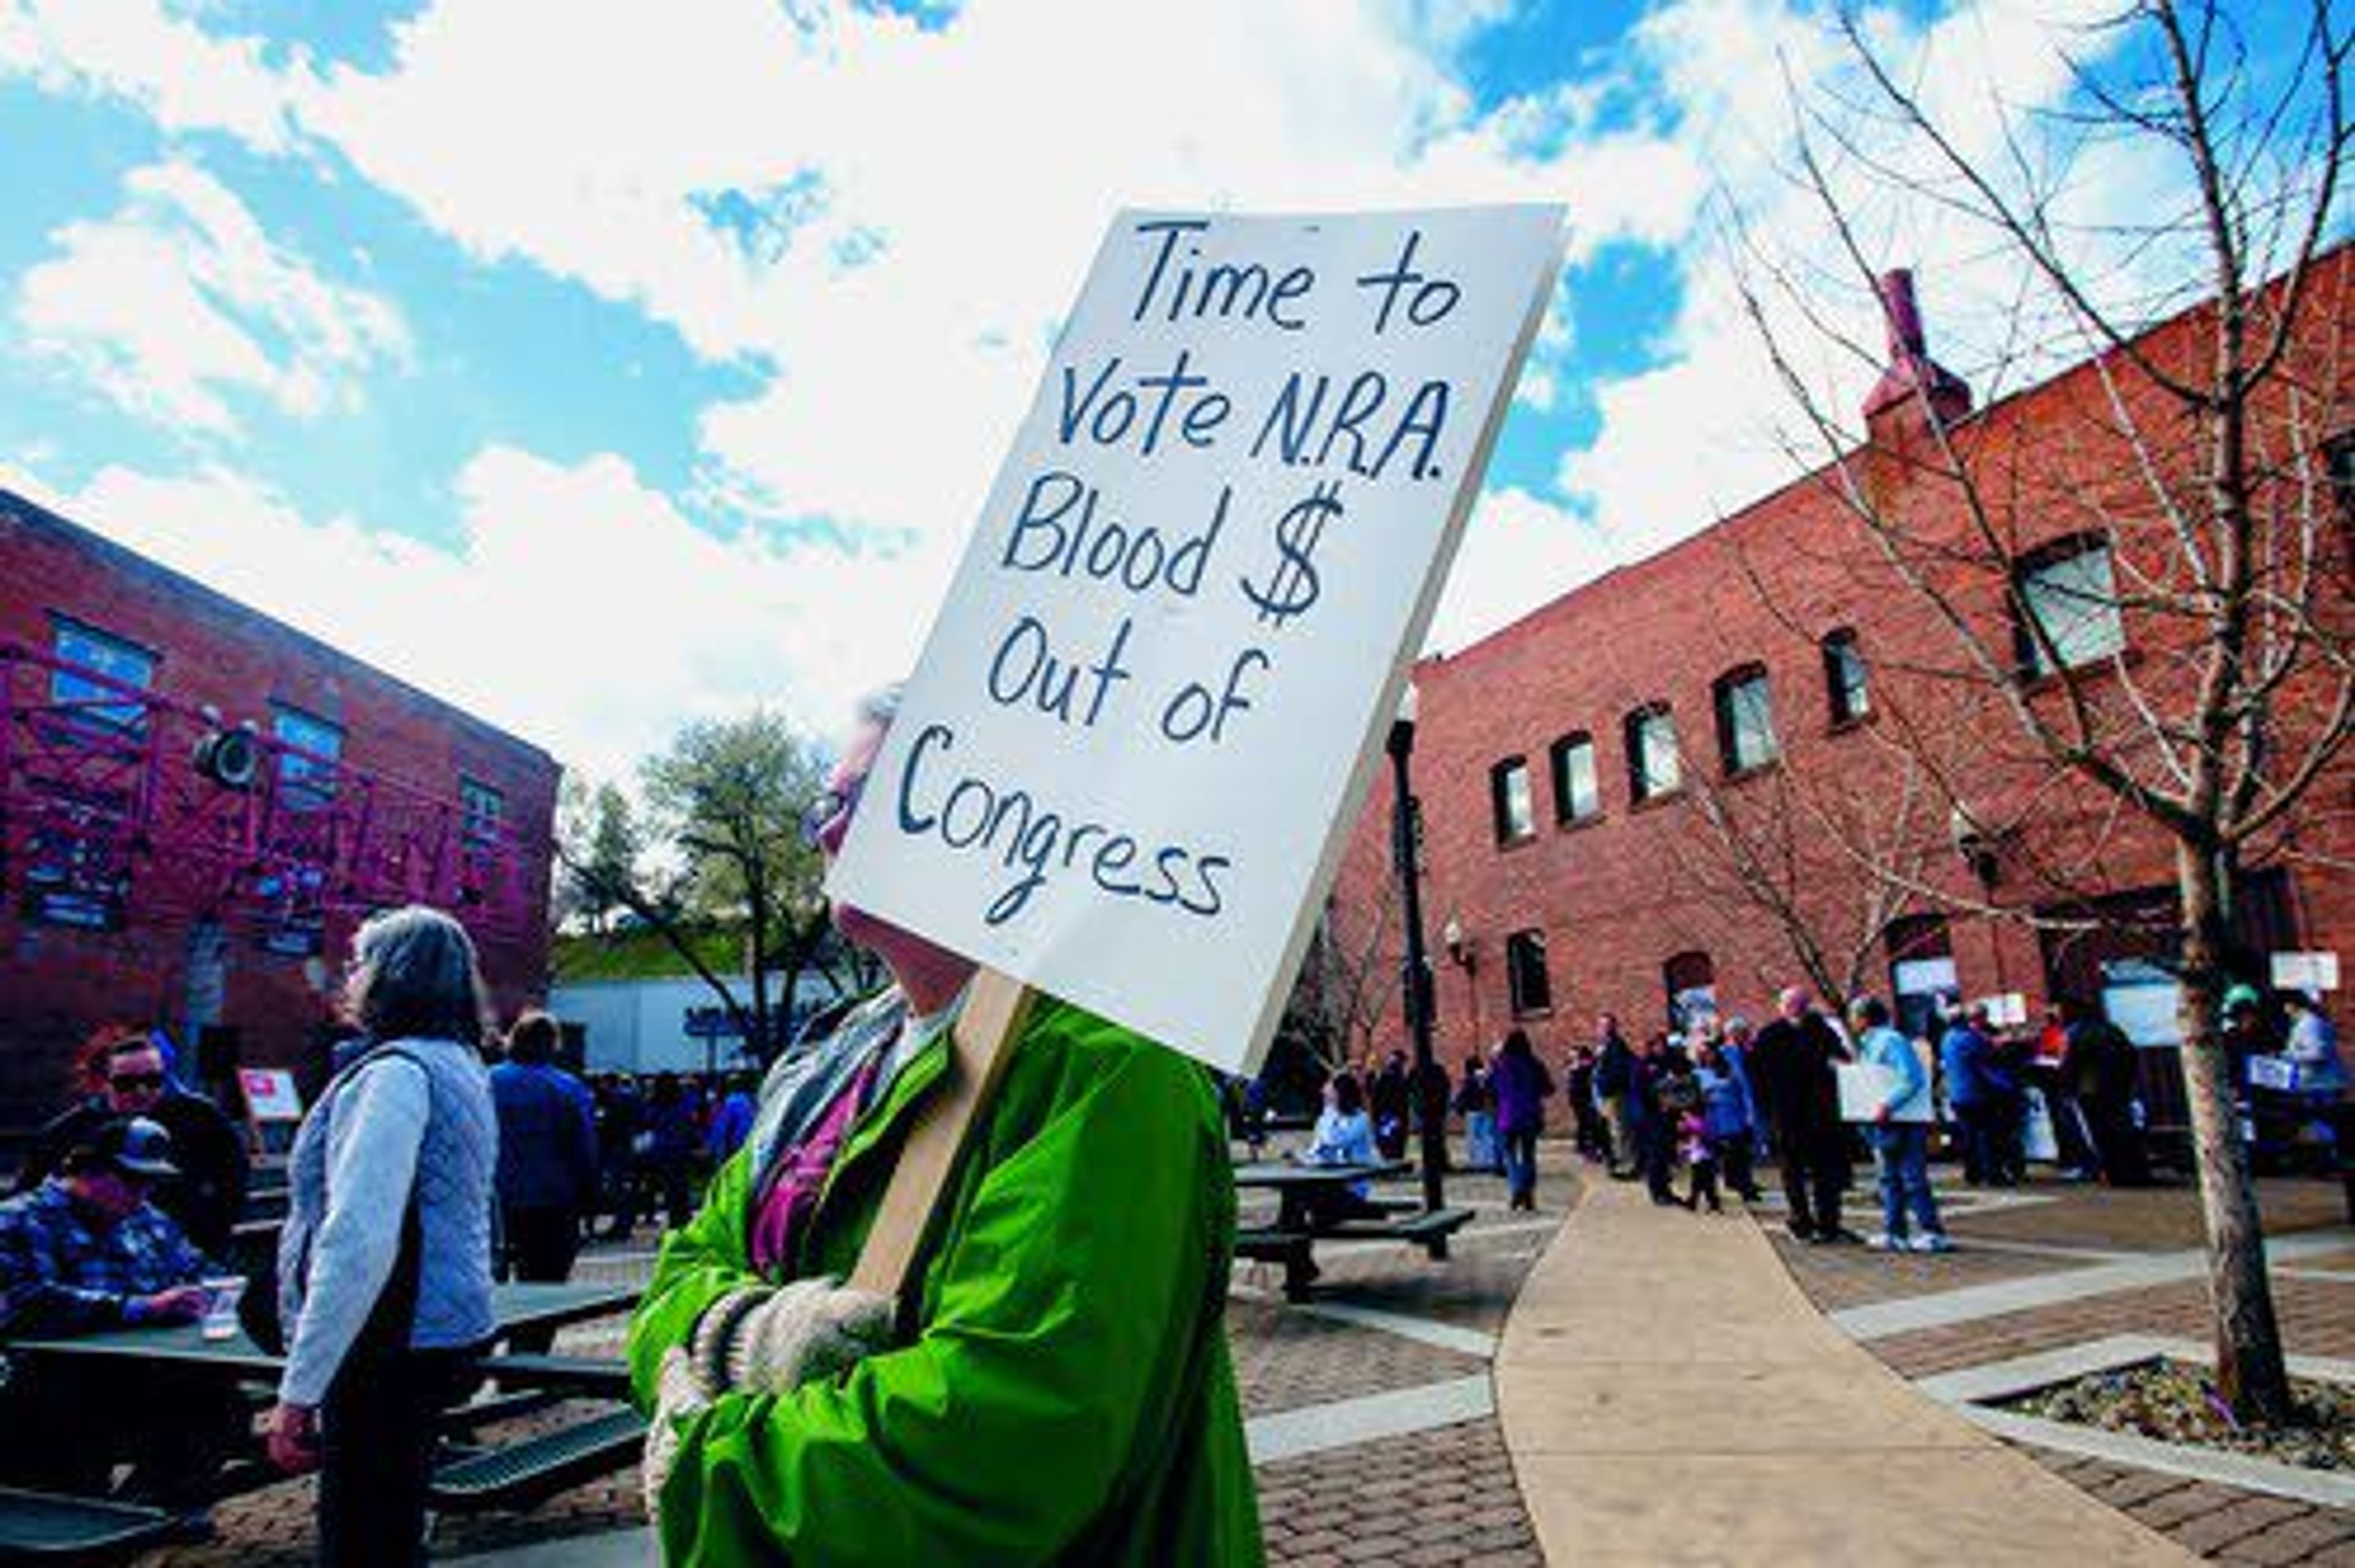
(2175, 632)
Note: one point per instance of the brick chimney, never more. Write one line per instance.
(1912, 373)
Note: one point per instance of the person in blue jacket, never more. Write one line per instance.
(1901, 1136)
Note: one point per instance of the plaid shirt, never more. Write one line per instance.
(59, 1274)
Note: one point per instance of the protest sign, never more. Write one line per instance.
(1144, 723)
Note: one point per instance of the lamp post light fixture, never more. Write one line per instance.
(1981, 850)
(1416, 978)
(1465, 956)
(1977, 846)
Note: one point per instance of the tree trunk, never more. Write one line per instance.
(2249, 1369)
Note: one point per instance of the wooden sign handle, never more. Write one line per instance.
(979, 1048)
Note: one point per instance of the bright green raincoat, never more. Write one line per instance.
(1067, 1397)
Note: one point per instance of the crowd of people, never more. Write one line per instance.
(440, 1156)
(126, 1212)
(1691, 1114)
(1077, 1347)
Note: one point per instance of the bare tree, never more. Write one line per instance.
(2147, 600)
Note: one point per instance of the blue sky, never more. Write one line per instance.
(431, 326)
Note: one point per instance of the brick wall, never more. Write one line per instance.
(1617, 895)
(58, 981)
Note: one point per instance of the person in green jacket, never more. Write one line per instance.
(1056, 1389)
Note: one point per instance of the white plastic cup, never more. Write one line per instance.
(221, 1305)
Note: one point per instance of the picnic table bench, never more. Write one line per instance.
(1292, 1238)
(38, 1526)
(42, 1526)
(517, 1475)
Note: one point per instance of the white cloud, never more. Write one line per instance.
(179, 298)
(1517, 551)
(902, 215)
(578, 607)
(1710, 427)
(186, 78)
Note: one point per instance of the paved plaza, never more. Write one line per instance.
(1373, 1411)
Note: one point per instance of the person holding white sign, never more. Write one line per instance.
(1900, 1135)
(1057, 1388)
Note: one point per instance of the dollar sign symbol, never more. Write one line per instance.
(1292, 586)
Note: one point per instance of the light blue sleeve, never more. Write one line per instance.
(377, 1123)
(1893, 1049)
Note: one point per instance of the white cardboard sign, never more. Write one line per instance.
(2305, 971)
(1143, 725)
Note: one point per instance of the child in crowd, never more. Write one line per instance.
(1699, 1152)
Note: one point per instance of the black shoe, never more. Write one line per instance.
(1842, 1236)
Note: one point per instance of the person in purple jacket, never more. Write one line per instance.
(1521, 1085)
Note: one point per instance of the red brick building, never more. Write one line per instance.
(1631, 797)
(199, 803)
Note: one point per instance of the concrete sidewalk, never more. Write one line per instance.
(1670, 1396)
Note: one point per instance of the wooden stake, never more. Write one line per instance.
(979, 1048)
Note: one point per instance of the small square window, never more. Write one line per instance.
(482, 808)
(89, 689)
(2073, 597)
(306, 774)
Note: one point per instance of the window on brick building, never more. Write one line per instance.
(482, 810)
(82, 763)
(306, 782)
(1509, 800)
(2068, 591)
(1845, 685)
(1526, 980)
(93, 668)
(1577, 796)
(1652, 766)
(2339, 470)
(302, 844)
(1745, 719)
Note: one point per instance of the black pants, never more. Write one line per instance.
(1733, 1153)
(2116, 1140)
(1704, 1187)
(1656, 1147)
(541, 1244)
(379, 1441)
(1814, 1180)
(66, 1432)
(1991, 1149)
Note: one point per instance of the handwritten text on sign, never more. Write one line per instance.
(1143, 722)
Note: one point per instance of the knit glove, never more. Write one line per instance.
(809, 1330)
(679, 1394)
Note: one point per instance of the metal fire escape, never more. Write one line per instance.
(118, 807)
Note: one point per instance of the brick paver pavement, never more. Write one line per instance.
(2318, 1317)
(1443, 1496)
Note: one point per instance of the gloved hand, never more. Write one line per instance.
(679, 1394)
(811, 1329)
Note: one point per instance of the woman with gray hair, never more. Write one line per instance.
(385, 1266)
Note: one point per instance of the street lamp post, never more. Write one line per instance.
(1417, 977)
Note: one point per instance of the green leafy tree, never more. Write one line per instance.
(725, 801)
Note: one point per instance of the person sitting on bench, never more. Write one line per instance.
(1344, 1135)
(85, 1251)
